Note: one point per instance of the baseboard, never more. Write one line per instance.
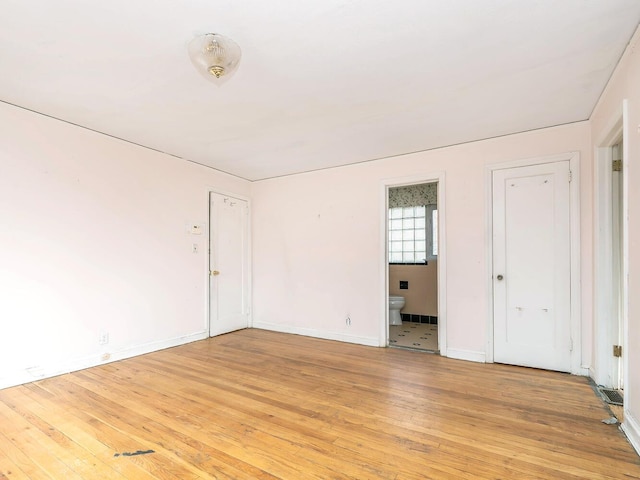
(583, 372)
(35, 373)
(311, 332)
(469, 355)
(631, 428)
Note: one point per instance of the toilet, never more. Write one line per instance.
(395, 305)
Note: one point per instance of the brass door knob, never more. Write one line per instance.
(214, 272)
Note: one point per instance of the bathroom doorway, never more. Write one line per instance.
(413, 241)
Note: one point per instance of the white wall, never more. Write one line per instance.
(318, 254)
(624, 85)
(92, 238)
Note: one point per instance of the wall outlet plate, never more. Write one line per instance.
(103, 338)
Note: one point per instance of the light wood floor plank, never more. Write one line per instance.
(36, 447)
(79, 429)
(276, 462)
(257, 404)
(126, 431)
(14, 463)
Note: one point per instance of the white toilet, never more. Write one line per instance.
(395, 305)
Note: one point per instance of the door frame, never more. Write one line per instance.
(386, 184)
(227, 193)
(574, 232)
(603, 368)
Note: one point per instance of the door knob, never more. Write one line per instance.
(214, 272)
(499, 277)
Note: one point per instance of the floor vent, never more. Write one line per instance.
(614, 397)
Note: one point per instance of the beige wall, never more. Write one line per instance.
(319, 241)
(93, 235)
(624, 85)
(421, 298)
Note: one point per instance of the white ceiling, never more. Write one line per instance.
(321, 82)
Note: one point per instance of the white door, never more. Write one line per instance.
(531, 266)
(228, 264)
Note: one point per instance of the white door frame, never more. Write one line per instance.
(227, 193)
(439, 178)
(574, 213)
(602, 367)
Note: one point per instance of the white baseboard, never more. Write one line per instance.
(311, 332)
(38, 372)
(583, 372)
(469, 355)
(631, 428)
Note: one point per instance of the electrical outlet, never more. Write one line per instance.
(348, 321)
(103, 338)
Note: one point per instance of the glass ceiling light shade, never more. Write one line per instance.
(215, 56)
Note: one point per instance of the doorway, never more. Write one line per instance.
(611, 262)
(413, 248)
(617, 285)
(228, 264)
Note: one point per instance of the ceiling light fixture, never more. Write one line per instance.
(215, 56)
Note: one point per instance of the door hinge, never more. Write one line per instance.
(616, 165)
(570, 176)
(571, 344)
(617, 350)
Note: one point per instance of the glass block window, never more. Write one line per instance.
(412, 234)
(434, 231)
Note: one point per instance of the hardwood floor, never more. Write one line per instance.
(264, 405)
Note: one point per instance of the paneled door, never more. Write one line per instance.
(228, 264)
(532, 266)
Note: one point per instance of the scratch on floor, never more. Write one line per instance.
(131, 454)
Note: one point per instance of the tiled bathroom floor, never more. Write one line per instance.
(421, 336)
